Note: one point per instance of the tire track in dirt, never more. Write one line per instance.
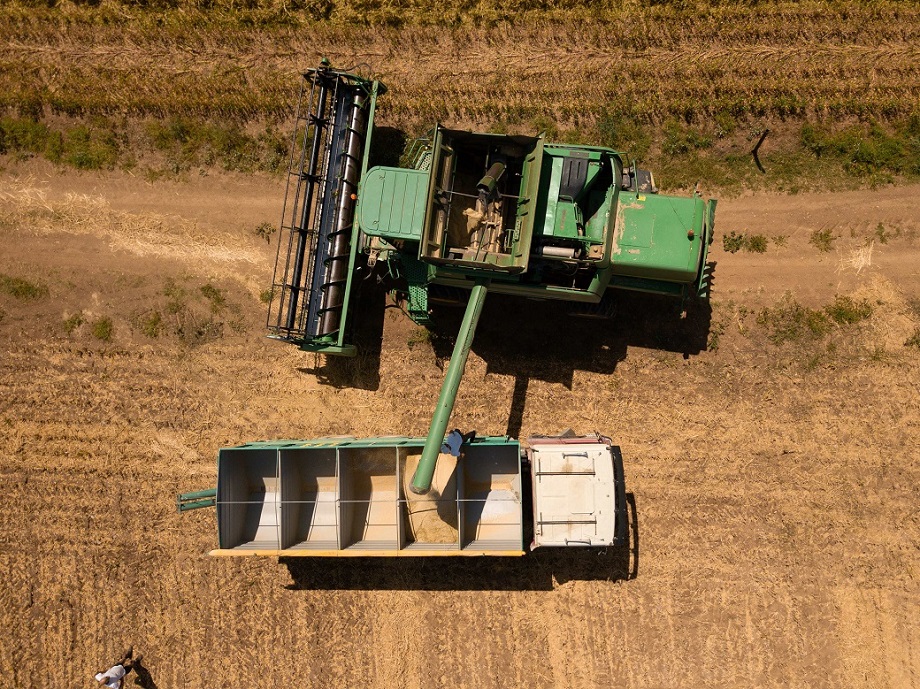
(876, 626)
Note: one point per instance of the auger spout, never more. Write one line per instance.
(421, 481)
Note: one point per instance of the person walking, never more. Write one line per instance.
(114, 677)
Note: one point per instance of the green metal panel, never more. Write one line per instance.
(377, 89)
(704, 280)
(658, 237)
(527, 204)
(568, 218)
(351, 441)
(324, 348)
(429, 245)
(551, 186)
(341, 347)
(391, 203)
(560, 219)
(592, 294)
(416, 274)
(597, 223)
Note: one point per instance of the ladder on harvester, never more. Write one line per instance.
(314, 263)
(418, 154)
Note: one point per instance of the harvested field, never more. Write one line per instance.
(771, 466)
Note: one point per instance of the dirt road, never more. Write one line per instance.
(776, 529)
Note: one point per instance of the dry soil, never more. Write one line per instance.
(775, 523)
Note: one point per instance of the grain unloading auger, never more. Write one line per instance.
(475, 212)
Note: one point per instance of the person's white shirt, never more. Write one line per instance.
(112, 677)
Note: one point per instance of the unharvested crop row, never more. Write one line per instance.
(632, 23)
(773, 59)
(880, 82)
(622, 77)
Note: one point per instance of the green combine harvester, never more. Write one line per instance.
(474, 213)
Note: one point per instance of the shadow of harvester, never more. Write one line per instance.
(540, 340)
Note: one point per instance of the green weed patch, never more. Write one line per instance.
(869, 150)
(822, 240)
(790, 321)
(846, 310)
(734, 242)
(103, 329)
(20, 288)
